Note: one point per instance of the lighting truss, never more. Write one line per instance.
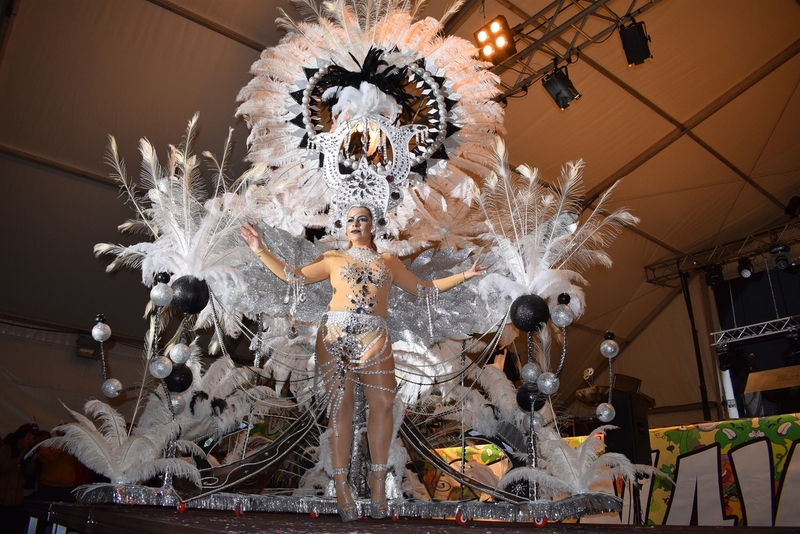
(768, 328)
(667, 273)
(558, 33)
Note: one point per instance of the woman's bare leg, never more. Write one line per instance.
(340, 420)
(379, 389)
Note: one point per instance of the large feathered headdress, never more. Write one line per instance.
(372, 101)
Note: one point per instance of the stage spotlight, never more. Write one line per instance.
(780, 257)
(745, 268)
(634, 42)
(560, 87)
(496, 41)
(714, 275)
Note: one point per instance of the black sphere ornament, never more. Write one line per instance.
(162, 278)
(180, 379)
(528, 312)
(563, 298)
(608, 335)
(100, 318)
(528, 396)
(190, 295)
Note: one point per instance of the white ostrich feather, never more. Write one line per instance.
(191, 236)
(111, 452)
(220, 398)
(413, 486)
(577, 470)
(313, 482)
(551, 484)
(501, 392)
(417, 368)
(537, 230)
(448, 224)
(477, 412)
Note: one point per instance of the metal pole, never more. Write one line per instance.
(703, 392)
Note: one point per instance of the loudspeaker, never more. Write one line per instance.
(632, 438)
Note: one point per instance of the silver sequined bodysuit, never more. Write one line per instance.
(350, 335)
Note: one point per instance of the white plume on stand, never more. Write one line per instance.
(110, 451)
(540, 235)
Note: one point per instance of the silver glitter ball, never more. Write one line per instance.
(605, 412)
(530, 372)
(161, 294)
(112, 388)
(101, 332)
(538, 422)
(562, 315)
(180, 353)
(609, 348)
(178, 403)
(160, 367)
(548, 383)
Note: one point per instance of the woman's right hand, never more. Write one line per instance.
(251, 237)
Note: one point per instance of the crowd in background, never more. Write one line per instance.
(46, 475)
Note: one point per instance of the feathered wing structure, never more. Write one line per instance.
(540, 235)
(459, 313)
(111, 452)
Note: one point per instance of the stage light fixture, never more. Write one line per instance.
(496, 41)
(780, 257)
(634, 42)
(560, 87)
(745, 268)
(714, 275)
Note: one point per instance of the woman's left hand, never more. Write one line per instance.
(475, 270)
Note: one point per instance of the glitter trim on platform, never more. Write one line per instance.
(570, 507)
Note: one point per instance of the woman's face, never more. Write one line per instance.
(359, 226)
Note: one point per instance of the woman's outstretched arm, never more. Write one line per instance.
(313, 272)
(408, 281)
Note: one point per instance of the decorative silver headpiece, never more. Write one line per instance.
(376, 186)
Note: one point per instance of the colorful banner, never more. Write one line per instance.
(727, 473)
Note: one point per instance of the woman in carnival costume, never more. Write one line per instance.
(357, 104)
(353, 342)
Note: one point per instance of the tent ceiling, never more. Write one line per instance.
(706, 137)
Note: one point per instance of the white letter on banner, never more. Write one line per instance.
(698, 483)
(787, 515)
(753, 468)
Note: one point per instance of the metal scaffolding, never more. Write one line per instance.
(557, 34)
(667, 272)
(768, 328)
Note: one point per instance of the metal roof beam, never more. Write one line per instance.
(548, 27)
(665, 273)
